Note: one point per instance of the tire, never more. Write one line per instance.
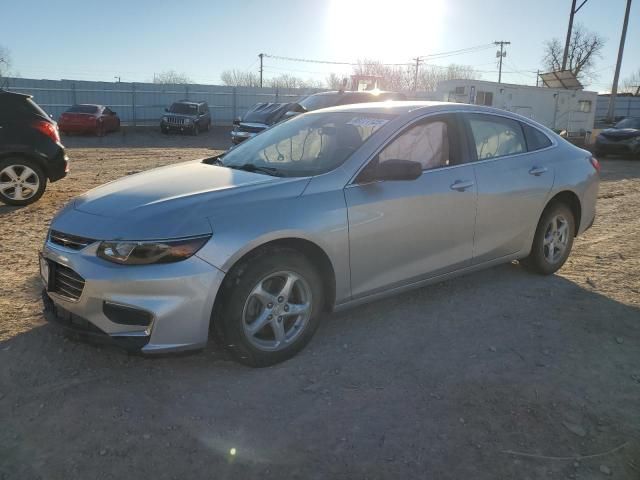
(30, 174)
(208, 125)
(100, 129)
(195, 130)
(241, 308)
(164, 130)
(541, 260)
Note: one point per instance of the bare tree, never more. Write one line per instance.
(171, 77)
(335, 81)
(286, 80)
(584, 48)
(240, 78)
(430, 75)
(402, 77)
(5, 61)
(631, 84)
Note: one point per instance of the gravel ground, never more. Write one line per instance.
(500, 374)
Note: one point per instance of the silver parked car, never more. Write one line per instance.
(330, 209)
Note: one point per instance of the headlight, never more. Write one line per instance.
(165, 119)
(187, 120)
(145, 253)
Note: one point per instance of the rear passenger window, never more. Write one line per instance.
(536, 140)
(496, 136)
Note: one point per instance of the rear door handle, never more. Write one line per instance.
(461, 185)
(537, 171)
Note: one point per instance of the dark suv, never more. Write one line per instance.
(30, 150)
(186, 116)
(264, 115)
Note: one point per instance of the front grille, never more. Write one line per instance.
(73, 242)
(175, 120)
(64, 281)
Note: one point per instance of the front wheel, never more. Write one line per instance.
(553, 240)
(196, 129)
(22, 181)
(272, 307)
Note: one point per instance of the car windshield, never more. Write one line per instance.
(629, 123)
(316, 102)
(184, 108)
(83, 109)
(309, 144)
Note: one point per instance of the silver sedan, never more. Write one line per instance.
(328, 210)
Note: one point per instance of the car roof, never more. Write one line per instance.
(407, 106)
(189, 102)
(14, 94)
(351, 92)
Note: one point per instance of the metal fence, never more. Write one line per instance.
(144, 103)
(625, 106)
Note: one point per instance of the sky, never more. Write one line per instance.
(132, 40)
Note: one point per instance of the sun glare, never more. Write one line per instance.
(385, 30)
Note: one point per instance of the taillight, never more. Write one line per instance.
(595, 163)
(47, 128)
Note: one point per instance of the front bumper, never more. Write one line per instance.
(178, 297)
(240, 136)
(621, 147)
(173, 127)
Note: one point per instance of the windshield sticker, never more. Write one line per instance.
(367, 122)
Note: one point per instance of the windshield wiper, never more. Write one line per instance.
(250, 167)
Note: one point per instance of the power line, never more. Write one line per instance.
(461, 51)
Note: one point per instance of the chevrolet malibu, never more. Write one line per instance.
(328, 210)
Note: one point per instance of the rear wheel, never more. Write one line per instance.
(100, 129)
(272, 307)
(553, 240)
(22, 181)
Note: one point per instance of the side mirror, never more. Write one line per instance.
(236, 121)
(166, 109)
(397, 170)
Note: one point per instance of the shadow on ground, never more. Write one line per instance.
(434, 383)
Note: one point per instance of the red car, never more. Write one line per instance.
(85, 118)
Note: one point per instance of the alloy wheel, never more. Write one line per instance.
(18, 182)
(556, 239)
(277, 311)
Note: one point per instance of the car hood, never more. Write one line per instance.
(620, 133)
(167, 202)
(268, 113)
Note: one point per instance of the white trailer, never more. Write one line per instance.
(558, 109)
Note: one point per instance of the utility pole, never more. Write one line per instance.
(415, 75)
(574, 10)
(501, 54)
(616, 76)
(537, 77)
(261, 55)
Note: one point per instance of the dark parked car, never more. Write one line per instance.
(186, 116)
(264, 115)
(623, 138)
(30, 150)
(88, 118)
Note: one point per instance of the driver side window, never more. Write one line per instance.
(426, 143)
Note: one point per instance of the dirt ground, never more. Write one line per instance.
(497, 375)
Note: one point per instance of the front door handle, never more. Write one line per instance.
(461, 185)
(537, 171)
